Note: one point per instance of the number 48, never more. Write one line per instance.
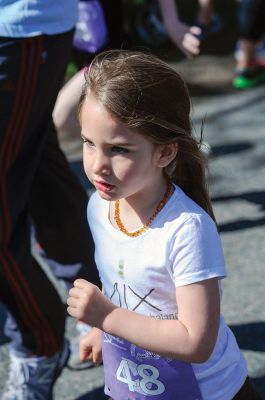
(148, 377)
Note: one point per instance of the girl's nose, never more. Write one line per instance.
(101, 164)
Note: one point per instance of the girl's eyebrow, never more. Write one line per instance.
(114, 143)
(122, 144)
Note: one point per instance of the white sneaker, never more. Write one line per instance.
(33, 378)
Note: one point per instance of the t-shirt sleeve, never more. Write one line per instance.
(196, 251)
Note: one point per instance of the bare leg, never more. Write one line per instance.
(206, 12)
(247, 56)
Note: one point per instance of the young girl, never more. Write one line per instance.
(157, 248)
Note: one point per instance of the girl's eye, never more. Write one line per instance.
(87, 142)
(119, 150)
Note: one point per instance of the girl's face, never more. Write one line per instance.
(118, 162)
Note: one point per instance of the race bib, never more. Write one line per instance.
(132, 373)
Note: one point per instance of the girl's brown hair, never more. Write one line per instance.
(150, 97)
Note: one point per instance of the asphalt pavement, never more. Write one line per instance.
(234, 127)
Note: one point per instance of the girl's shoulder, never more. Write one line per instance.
(193, 242)
(186, 222)
(183, 210)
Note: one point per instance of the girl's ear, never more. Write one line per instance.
(166, 154)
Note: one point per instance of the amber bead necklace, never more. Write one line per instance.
(159, 207)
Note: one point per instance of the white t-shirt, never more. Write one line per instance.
(181, 247)
(27, 18)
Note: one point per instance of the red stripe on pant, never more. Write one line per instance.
(31, 313)
(4, 233)
(22, 304)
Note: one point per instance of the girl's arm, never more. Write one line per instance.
(191, 338)
(91, 345)
(185, 37)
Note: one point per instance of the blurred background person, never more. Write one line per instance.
(250, 71)
(35, 46)
(188, 38)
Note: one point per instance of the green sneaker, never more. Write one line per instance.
(247, 78)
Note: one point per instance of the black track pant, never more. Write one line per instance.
(31, 74)
(58, 207)
(252, 19)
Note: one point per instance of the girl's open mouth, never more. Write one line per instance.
(103, 186)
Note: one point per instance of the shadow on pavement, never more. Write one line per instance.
(241, 224)
(259, 384)
(97, 394)
(197, 90)
(257, 198)
(226, 149)
(228, 109)
(250, 336)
